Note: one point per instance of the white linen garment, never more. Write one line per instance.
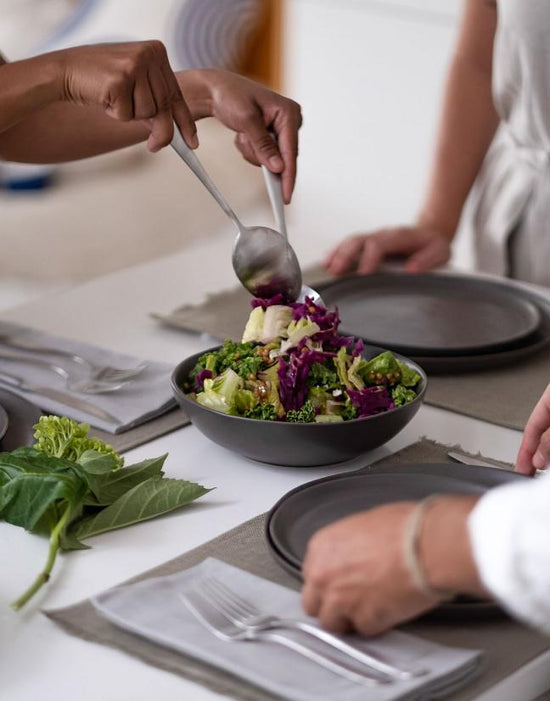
(510, 535)
(510, 214)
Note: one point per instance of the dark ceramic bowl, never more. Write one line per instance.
(294, 444)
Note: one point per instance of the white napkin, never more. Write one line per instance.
(145, 397)
(154, 609)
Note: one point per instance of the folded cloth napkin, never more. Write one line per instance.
(147, 396)
(154, 609)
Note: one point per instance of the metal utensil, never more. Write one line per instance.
(275, 192)
(220, 626)
(101, 373)
(58, 396)
(470, 460)
(246, 616)
(79, 385)
(477, 462)
(263, 260)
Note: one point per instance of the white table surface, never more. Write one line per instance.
(40, 661)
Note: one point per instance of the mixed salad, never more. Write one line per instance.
(293, 365)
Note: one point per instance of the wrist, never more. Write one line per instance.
(444, 547)
(197, 88)
(442, 224)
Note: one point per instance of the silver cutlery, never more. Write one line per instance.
(58, 396)
(221, 626)
(275, 192)
(470, 460)
(477, 462)
(79, 385)
(101, 373)
(247, 616)
(263, 260)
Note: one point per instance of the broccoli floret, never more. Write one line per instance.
(61, 437)
(265, 411)
(305, 415)
(322, 376)
(401, 395)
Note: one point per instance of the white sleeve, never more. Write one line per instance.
(510, 535)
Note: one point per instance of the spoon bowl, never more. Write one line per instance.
(263, 260)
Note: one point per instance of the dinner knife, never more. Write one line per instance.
(58, 396)
(470, 460)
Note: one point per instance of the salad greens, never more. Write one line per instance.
(293, 365)
(70, 486)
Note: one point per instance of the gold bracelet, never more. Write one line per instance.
(411, 547)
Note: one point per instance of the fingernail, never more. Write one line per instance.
(275, 162)
(539, 461)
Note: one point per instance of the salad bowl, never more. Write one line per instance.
(297, 444)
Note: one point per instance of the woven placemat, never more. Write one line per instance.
(503, 396)
(507, 645)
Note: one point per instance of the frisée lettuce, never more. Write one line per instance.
(293, 365)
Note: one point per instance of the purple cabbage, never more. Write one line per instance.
(265, 303)
(201, 377)
(293, 374)
(371, 400)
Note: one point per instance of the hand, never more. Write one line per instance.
(534, 452)
(255, 113)
(424, 246)
(130, 81)
(355, 575)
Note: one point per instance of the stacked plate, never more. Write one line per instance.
(446, 323)
(303, 511)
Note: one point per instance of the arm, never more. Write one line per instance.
(468, 124)
(534, 452)
(54, 108)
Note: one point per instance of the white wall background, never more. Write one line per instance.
(369, 75)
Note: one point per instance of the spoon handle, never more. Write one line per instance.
(189, 157)
(275, 192)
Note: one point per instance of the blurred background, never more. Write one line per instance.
(368, 74)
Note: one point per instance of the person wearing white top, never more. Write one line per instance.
(385, 566)
(493, 144)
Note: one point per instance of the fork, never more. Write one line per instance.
(221, 626)
(85, 386)
(101, 373)
(246, 616)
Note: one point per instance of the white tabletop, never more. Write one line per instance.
(40, 661)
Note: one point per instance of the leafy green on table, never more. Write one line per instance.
(70, 487)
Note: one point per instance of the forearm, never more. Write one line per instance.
(469, 122)
(445, 550)
(37, 126)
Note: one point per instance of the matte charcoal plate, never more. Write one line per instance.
(21, 417)
(424, 315)
(303, 511)
(296, 444)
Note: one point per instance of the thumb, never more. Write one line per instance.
(436, 253)
(265, 148)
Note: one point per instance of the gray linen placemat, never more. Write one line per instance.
(504, 396)
(507, 645)
(121, 442)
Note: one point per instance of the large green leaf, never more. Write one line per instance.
(95, 463)
(25, 499)
(154, 497)
(107, 488)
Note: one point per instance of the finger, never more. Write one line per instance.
(120, 101)
(262, 142)
(372, 255)
(344, 257)
(432, 256)
(179, 107)
(144, 106)
(541, 458)
(332, 616)
(287, 136)
(243, 144)
(311, 598)
(537, 425)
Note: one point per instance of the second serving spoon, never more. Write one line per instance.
(263, 260)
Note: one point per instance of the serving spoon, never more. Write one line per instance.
(275, 192)
(263, 260)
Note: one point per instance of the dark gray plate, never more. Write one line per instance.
(22, 415)
(4, 421)
(294, 444)
(304, 510)
(424, 315)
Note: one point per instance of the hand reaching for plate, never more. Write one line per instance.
(534, 452)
